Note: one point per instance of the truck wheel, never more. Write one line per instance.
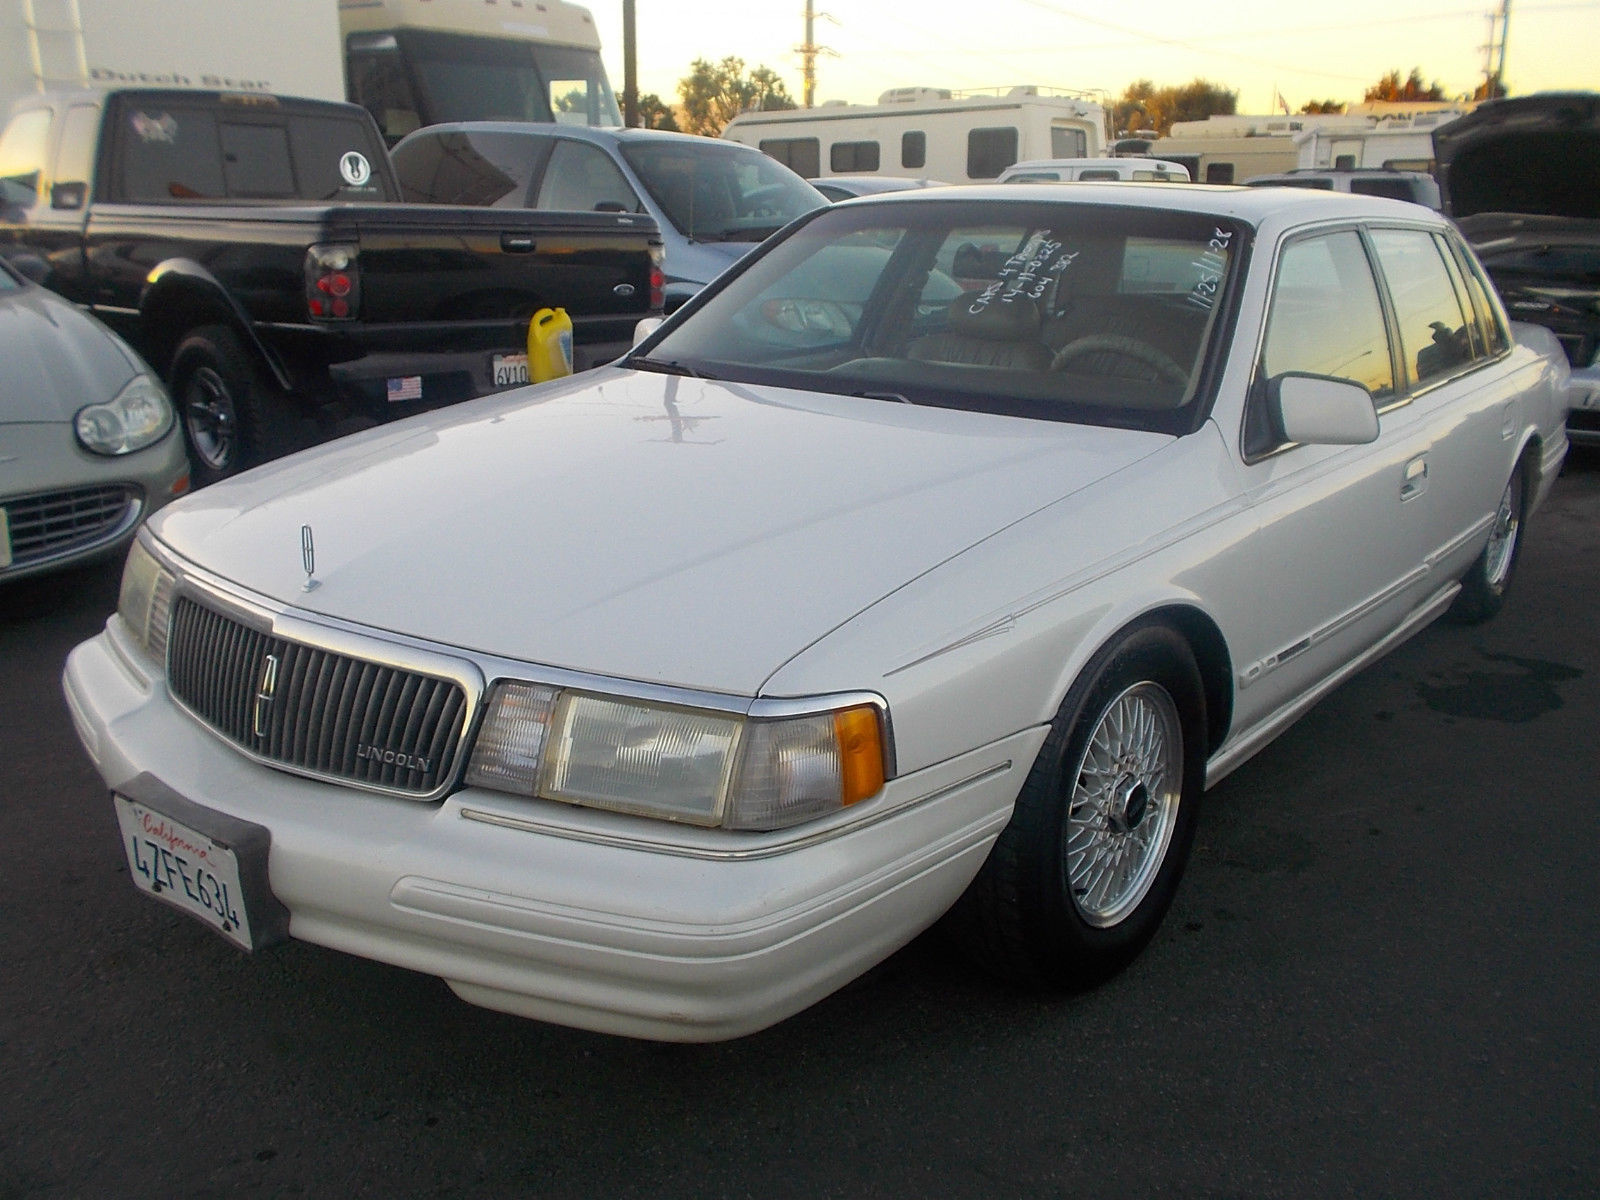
(234, 417)
(1080, 878)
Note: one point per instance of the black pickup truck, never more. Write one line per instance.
(255, 250)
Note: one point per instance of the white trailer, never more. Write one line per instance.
(410, 62)
(928, 133)
(290, 47)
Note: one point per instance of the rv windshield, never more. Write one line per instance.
(719, 192)
(1082, 312)
(468, 78)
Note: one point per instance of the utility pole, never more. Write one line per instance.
(1494, 54)
(630, 68)
(808, 55)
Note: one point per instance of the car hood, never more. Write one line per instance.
(635, 525)
(54, 359)
(1504, 157)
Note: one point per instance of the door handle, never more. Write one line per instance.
(1415, 480)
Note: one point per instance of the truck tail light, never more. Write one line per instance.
(658, 277)
(333, 282)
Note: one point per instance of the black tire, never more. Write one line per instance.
(234, 415)
(1484, 586)
(1023, 918)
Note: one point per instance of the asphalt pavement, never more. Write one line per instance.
(1381, 978)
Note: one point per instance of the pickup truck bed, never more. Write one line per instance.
(277, 320)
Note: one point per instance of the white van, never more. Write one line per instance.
(1064, 170)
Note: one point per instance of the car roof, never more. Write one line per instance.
(1255, 206)
(602, 136)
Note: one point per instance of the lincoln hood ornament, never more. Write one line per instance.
(308, 558)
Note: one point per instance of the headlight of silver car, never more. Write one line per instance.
(145, 603)
(685, 764)
(138, 416)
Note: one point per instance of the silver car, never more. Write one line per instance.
(88, 437)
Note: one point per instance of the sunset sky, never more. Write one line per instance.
(1252, 46)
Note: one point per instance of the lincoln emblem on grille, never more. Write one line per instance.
(264, 693)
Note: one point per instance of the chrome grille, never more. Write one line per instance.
(50, 524)
(311, 710)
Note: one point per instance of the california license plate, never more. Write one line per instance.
(184, 867)
(510, 369)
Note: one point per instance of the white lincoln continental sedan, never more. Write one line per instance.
(928, 565)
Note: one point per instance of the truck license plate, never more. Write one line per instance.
(510, 369)
(185, 868)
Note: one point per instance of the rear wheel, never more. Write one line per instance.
(1484, 586)
(1081, 877)
(234, 416)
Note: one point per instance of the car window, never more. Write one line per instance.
(488, 169)
(715, 191)
(23, 148)
(582, 178)
(1060, 311)
(1492, 332)
(168, 154)
(1434, 339)
(1324, 319)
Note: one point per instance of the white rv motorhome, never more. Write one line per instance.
(1399, 141)
(409, 62)
(290, 47)
(928, 133)
(424, 62)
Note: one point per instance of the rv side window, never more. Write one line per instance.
(844, 157)
(803, 156)
(914, 149)
(1068, 143)
(1219, 172)
(990, 151)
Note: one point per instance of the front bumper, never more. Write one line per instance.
(590, 919)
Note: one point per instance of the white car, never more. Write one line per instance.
(939, 555)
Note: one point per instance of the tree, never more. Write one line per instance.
(1145, 106)
(1490, 90)
(1392, 87)
(712, 95)
(1322, 106)
(656, 113)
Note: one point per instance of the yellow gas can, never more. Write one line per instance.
(549, 345)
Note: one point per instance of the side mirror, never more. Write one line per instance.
(68, 195)
(1317, 411)
(645, 328)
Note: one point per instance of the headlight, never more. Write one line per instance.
(682, 764)
(140, 416)
(145, 603)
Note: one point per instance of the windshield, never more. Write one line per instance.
(465, 78)
(1067, 311)
(720, 192)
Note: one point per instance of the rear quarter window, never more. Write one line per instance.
(483, 169)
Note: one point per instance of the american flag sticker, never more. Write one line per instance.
(405, 387)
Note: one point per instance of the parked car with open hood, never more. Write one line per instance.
(934, 559)
(714, 201)
(89, 443)
(1521, 177)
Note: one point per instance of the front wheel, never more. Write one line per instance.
(1081, 877)
(1484, 586)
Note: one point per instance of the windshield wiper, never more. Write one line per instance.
(667, 367)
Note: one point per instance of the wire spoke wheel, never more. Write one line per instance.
(1124, 802)
(1499, 554)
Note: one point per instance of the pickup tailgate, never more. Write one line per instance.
(436, 264)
